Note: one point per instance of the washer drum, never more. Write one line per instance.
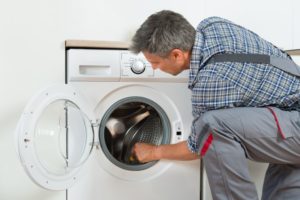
(128, 125)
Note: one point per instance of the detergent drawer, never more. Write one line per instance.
(93, 65)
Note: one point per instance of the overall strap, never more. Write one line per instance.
(284, 64)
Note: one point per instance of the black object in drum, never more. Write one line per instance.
(142, 124)
(146, 131)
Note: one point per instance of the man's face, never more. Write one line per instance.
(173, 64)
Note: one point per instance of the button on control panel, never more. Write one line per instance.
(138, 66)
(133, 65)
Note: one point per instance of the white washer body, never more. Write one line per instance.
(105, 77)
(63, 142)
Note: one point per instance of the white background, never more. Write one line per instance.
(32, 35)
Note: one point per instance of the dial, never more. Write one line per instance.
(138, 66)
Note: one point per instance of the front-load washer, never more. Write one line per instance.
(79, 136)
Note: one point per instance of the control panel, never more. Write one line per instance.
(114, 65)
(135, 65)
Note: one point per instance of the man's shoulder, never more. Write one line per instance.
(212, 20)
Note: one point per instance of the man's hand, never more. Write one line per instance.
(145, 152)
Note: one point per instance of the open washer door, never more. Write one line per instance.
(55, 136)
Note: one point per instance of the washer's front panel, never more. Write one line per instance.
(163, 180)
(111, 172)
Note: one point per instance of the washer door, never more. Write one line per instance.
(55, 137)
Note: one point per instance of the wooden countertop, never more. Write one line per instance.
(293, 52)
(94, 44)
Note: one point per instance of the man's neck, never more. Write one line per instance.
(187, 59)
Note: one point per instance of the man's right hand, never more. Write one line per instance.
(145, 152)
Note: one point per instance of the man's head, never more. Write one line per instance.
(166, 39)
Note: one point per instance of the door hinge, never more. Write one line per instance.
(96, 123)
(95, 144)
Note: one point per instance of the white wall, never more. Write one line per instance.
(31, 56)
(271, 19)
(32, 33)
(296, 28)
(117, 19)
(296, 24)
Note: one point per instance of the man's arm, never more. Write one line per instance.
(147, 152)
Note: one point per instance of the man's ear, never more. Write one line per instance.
(176, 54)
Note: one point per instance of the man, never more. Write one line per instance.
(242, 110)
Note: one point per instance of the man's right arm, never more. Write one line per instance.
(147, 152)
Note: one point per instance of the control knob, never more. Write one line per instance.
(138, 66)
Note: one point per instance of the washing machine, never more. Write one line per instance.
(79, 136)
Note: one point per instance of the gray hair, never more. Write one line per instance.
(162, 32)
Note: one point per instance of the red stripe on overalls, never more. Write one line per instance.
(206, 144)
(277, 122)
